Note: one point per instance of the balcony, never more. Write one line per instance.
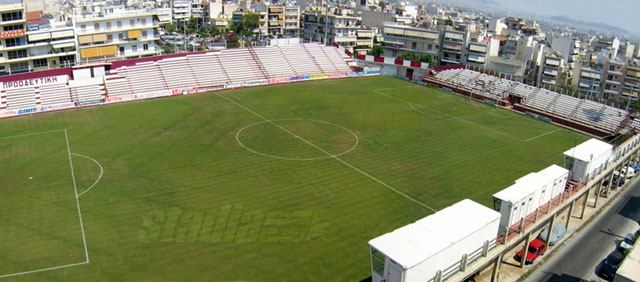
(452, 46)
(476, 58)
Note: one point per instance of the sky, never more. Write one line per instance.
(624, 14)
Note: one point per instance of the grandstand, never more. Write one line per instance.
(170, 74)
(585, 115)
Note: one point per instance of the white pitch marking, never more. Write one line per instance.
(31, 134)
(543, 134)
(42, 270)
(99, 176)
(297, 159)
(329, 154)
(73, 177)
(464, 120)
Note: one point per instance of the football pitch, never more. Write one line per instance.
(275, 183)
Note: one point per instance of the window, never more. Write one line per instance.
(108, 25)
(429, 46)
(67, 61)
(109, 37)
(119, 24)
(13, 16)
(17, 54)
(121, 51)
(134, 48)
(14, 42)
(611, 68)
(83, 27)
(120, 37)
(145, 47)
(414, 45)
(132, 23)
(13, 27)
(377, 260)
(143, 22)
(96, 26)
(144, 34)
(19, 67)
(40, 63)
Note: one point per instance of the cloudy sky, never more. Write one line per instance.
(624, 14)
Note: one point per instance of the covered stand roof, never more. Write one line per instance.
(416, 242)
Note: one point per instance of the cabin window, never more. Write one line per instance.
(377, 260)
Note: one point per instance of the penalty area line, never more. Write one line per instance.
(43, 270)
(31, 134)
(328, 154)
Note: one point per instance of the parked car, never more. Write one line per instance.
(610, 265)
(626, 244)
(536, 249)
(557, 233)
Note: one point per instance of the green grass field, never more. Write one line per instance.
(277, 183)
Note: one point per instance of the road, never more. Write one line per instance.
(579, 258)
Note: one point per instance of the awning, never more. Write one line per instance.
(85, 39)
(100, 38)
(63, 45)
(134, 34)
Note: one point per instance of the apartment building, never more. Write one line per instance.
(343, 28)
(399, 39)
(278, 21)
(631, 85)
(181, 10)
(551, 70)
(30, 43)
(587, 78)
(14, 56)
(452, 47)
(51, 44)
(612, 79)
(116, 33)
(476, 53)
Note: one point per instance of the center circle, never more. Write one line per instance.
(314, 139)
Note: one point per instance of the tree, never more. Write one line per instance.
(232, 40)
(448, 22)
(376, 50)
(426, 59)
(250, 21)
(411, 56)
(170, 28)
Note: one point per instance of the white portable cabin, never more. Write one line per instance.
(416, 252)
(587, 158)
(515, 202)
(541, 186)
(559, 177)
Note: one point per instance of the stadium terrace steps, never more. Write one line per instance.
(177, 73)
(118, 86)
(85, 93)
(147, 77)
(244, 67)
(300, 60)
(207, 69)
(20, 98)
(54, 94)
(321, 59)
(571, 108)
(274, 62)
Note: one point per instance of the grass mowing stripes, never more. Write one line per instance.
(180, 199)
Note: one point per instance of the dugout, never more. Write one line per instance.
(587, 159)
(435, 247)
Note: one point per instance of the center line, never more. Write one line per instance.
(328, 154)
